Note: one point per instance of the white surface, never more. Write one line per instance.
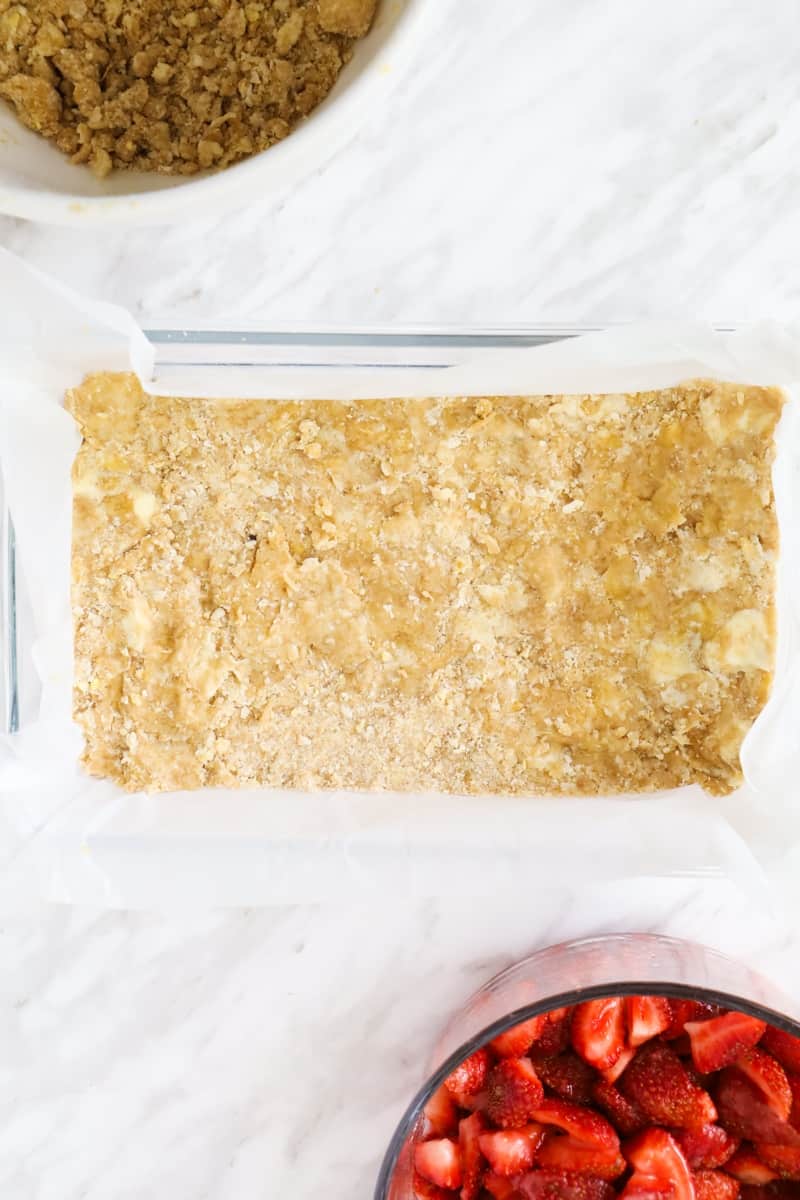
(569, 162)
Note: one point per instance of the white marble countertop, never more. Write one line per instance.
(546, 163)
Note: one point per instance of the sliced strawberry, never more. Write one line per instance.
(688, 1010)
(745, 1111)
(439, 1161)
(714, 1185)
(554, 1037)
(518, 1040)
(706, 1148)
(470, 1131)
(747, 1167)
(783, 1046)
(425, 1190)
(598, 1031)
(562, 1185)
(559, 1153)
(568, 1076)
(626, 1116)
(659, 1083)
(656, 1154)
(647, 1017)
(514, 1092)
(770, 1078)
(612, 1074)
(500, 1187)
(510, 1151)
(647, 1187)
(719, 1042)
(469, 1076)
(783, 1159)
(584, 1126)
(441, 1114)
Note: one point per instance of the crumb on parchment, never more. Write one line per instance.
(546, 594)
(173, 86)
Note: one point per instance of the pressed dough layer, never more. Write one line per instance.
(569, 594)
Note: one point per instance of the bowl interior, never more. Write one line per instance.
(35, 177)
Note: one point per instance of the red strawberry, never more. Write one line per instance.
(554, 1037)
(598, 1031)
(647, 1187)
(659, 1083)
(783, 1159)
(745, 1111)
(439, 1161)
(568, 1076)
(469, 1076)
(612, 1074)
(647, 1017)
(510, 1151)
(499, 1187)
(770, 1078)
(714, 1185)
(688, 1010)
(561, 1185)
(625, 1115)
(469, 1135)
(559, 1153)
(747, 1167)
(719, 1042)
(585, 1127)
(708, 1147)
(518, 1040)
(783, 1046)
(425, 1190)
(441, 1113)
(656, 1154)
(514, 1093)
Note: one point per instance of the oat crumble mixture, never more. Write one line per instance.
(173, 86)
(548, 594)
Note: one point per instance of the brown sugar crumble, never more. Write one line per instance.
(541, 594)
(173, 86)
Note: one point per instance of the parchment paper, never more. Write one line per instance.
(77, 839)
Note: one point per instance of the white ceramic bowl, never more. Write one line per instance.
(38, 182)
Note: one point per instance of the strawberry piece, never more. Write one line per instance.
(612, 1074)
(719, 1042)
(783, 1046)
(584, 1127)
(510, 1151)
(425, 1190)
(747, 1167)
(568, 1076)
(688, 1010)
(562, 1185)
(518, 1040)
(514, 1092)
(598, 1031)
(745, 1112)
(625, 1115)
(559, 1153)
(647, 1017)
(656, 1154)
(714, 1185)
(770, 1078)
(470, 1131)
(647, 1187)
(783, 1159)
(441, 1114)
(659, 1083)
(439, 1161)
(554, 1037)
(708, 1147)
(500, 1187)
(469, 1076)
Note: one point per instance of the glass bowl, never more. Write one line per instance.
(566, 974)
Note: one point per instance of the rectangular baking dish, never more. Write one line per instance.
(149, 850)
